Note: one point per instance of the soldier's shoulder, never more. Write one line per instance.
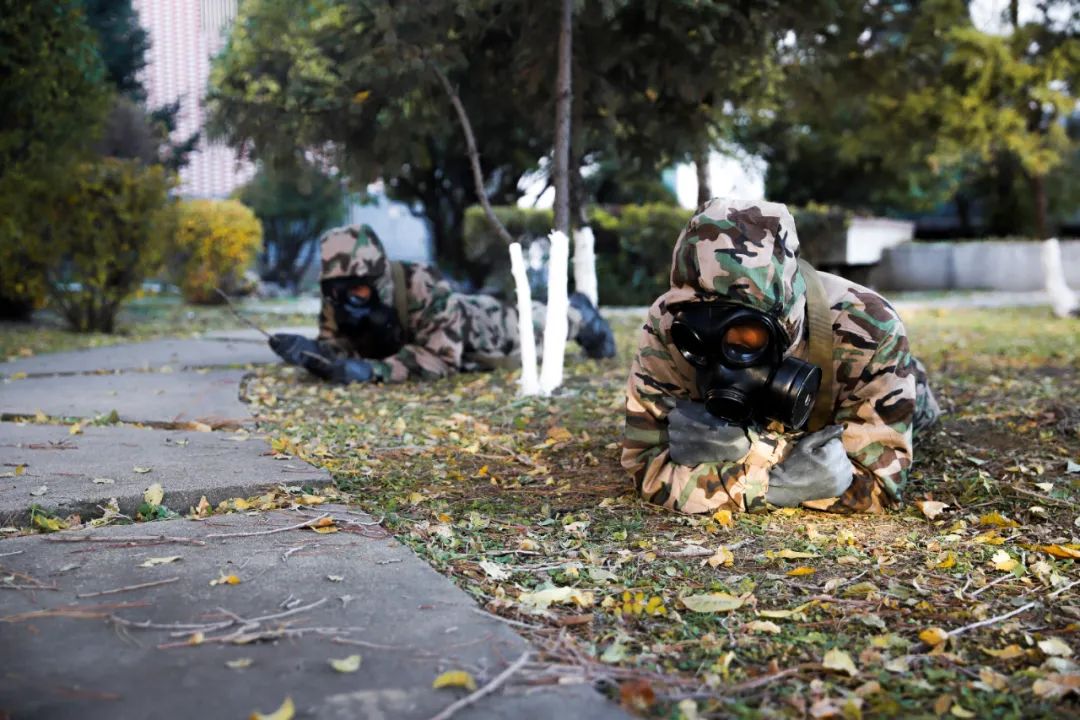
(867, 308)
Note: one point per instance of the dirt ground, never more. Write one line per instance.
(963, 603)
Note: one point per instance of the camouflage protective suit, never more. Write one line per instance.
(747, 251)
(446, 331)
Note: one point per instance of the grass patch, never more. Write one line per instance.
(146, 319)
(522, 501)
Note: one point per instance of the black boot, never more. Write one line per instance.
(595, 336)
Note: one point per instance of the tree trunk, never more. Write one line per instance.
(1038, 191)
(701, 164)
(563, 99)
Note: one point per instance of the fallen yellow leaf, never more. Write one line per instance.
(933, 636)
(931, 508)
(800, 571)
(1057, 685)
(840, 661)
(153, 494)
(787, 554)
(996, 519)
(455, 678)
(155, 561)
(1055, 646)
(286, 712)
(1006, 653)
(723, 518)
(226, 580)
(946, 561)
(1004, 562)
(722, 556)
(766, 626)
(346, 665)
(714, 602)
(990, 538)
(1061, 551)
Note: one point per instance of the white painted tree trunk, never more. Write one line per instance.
(585, 264)
(1063, 300)
(530, 382)
(555, 328)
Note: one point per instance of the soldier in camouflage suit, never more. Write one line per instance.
(362, 339)
(746, 252)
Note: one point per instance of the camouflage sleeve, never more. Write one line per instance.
(330, 342)
(435, 331)
(875, 400)
(657, 378)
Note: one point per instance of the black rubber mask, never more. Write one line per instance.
(369, 325)
(742, 374)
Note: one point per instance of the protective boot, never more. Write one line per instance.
(595, 336)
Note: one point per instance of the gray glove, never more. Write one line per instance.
(817, 468)
(696, 436)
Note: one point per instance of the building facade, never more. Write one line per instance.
(184, 36)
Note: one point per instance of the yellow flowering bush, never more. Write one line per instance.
(215, 242)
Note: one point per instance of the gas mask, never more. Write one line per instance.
(370, 326)
(742, 374)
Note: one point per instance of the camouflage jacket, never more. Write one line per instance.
(748, 251)
(434, 343)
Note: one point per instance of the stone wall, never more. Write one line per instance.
(982, 265)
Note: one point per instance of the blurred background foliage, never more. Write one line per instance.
(889, 108)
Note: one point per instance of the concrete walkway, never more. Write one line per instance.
(134, 621)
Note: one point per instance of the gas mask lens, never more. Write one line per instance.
(742, 374)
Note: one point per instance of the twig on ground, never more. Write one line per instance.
(1063, 589)
(508, 621)
(306, 523)
(992, 583)
(1043, 498)
(132, 540)
(487, 689)
(991, 621)
(9, 554)
(285, 555)
(128, 588)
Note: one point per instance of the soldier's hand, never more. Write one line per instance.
(292, 348)
(817, 468)
(696, 436)
(344, 372)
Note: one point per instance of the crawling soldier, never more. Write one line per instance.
(758, 379)
(389, 321)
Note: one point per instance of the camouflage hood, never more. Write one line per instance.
(746, 251)
(355, 251)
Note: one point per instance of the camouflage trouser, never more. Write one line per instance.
(927, 410)
(491, 335)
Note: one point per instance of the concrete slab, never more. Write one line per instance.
(187, 464)
(152, 355)
(251, 335)
(79, 652)
(210, 397)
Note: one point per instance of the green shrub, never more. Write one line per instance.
(822, 234)
(633, 246)
(101, 235)
(214, 243)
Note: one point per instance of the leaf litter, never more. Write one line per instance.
(947, 603)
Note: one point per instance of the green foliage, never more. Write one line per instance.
(214, 243)
(633, 246)
(295, 204)
(100, 236)
(822, 234)
(652, 82)
(122, 43)
(52, 98)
